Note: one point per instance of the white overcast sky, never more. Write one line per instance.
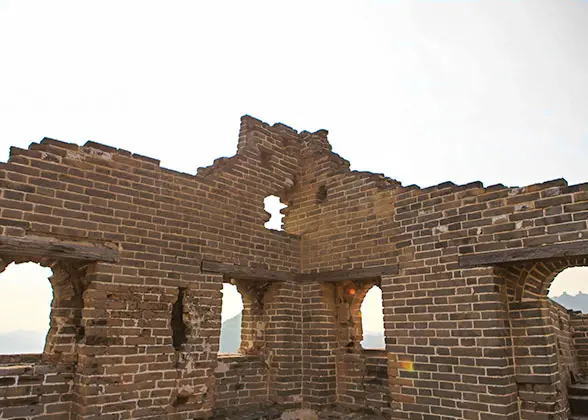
(424, 91)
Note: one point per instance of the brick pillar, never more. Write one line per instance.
(195, 363)
(319, 345)
(253, 317)
(398, 359)
(283, 336)
(351, 358)
(536, 363)
(448, 340)
(66, 311)
(128, 364)
(93, 349)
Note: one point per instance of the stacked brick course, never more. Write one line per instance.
(464, 270)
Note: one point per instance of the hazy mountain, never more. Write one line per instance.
(578, 302)
(373, 340)
(22, 342)
(230, 338)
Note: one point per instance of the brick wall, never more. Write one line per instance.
(31, 388)
(568, 362)
(363, 382)
(457, 333)
(447, 328)
(162, 224)
(546, 362)
(242, 384)
(538, 373)
(579, 326)
(320, 344)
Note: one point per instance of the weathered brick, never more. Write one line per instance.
(461, 342)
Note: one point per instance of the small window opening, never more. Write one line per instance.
(177, 322)
(321, 194)
(570, 289)
(372, 320)
(231, 318)
(273, 206)
(25, 307)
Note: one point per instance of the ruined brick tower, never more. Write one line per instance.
(139, 255)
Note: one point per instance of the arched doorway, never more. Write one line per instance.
(547, 339)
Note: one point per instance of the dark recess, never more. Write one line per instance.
(177, 321)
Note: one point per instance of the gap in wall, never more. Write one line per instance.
(25, 307)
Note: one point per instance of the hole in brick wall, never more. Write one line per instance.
(321, 194)
(180, 400)
(25, 307)
(273, 206)
(372, 320)
(265, 156)
(570, 288)
(177, 321)
(232, 319)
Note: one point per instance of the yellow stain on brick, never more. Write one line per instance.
(407, 366)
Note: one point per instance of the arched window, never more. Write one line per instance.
(25, 307)
(232, 318)
(570, 288)
(273, 206)
(372, 320)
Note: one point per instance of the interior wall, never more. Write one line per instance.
(242, 384)
(449, 327)
(162, 224)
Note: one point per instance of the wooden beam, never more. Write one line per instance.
(248, 273)
(564, 250)
(244, 272)
(352, 274)
(39, 247)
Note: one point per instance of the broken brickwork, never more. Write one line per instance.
(139, 255)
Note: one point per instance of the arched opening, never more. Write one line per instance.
(372, 320)
(549, 341)
(570, 289)
(25, 307)
(231, 318)
(274, 206)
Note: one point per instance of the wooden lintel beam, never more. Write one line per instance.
(546, 252)
(40, 248)
(243, 272)
(352, 274)
(248, 273)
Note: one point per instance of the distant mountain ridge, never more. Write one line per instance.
(578, 302)
(373, 341)
(230, 338)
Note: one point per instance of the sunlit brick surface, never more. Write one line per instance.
(463, 341)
